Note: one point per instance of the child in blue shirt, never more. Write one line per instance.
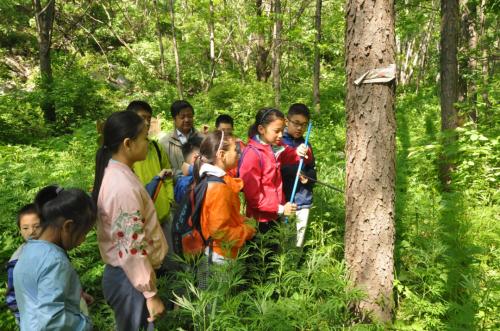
(190, 151)
(48, 290)
(296, 124)
(28, 223)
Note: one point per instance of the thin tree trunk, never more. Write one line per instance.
(160, 41)
(316, 71)
(262, 52)
(449, 84)
(425, 48)
(484, 56)
(472, 42)
(278, 23)
(211, 28)
(178, 76)
(44, 18)
(371, 150)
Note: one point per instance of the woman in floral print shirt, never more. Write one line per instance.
(130, 238)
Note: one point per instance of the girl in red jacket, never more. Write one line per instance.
(260, 168)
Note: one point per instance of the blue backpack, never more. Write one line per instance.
(186, 227)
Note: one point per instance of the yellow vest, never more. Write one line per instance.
(149, 168)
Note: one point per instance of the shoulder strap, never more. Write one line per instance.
(240, 161)
(199, 193)
(155, 144)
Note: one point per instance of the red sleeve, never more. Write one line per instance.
(251, 174)
(289, 156)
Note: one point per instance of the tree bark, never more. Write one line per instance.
(211, 28)
(278, 24)
(449, 84)
(44, 18)
(370, 168)
(316, 70)
(262, 52)
(178, 76)
(160, 40)
(484, 56)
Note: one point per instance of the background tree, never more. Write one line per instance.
(276, 55)
(370, 159)
(449, 84)
(178, 75)
(44, 18)
(316, 70)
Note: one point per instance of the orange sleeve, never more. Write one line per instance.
(222, 221)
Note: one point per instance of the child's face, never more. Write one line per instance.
(272, 133)
(146, 116)
(29, 225)
(226, 127)
(69, 239)
(138, 147)
(231, 156)
(297, 125)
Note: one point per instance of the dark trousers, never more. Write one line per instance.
(128, 304)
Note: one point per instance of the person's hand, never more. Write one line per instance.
(155, 306)
(302, 151)
(88, 298)
(165, 173)
(290, 209)
(303, 179)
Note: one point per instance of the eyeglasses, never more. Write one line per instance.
(299, 125)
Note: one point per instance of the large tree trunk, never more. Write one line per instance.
(178, 76)
(370, 168)
(44, 18)
(278, 24)
(160, 40)
(449, 84)
(316, 70)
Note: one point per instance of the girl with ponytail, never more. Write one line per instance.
(48, 289)
(130, 238)
(260, 166)
(221, 222)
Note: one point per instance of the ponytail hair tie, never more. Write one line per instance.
(59, 189)
(104, 146)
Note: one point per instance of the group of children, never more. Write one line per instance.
(139, 183)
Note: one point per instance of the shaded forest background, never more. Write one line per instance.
(235, 57)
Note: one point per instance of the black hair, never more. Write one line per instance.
(192, 144)
(118, 127)
(209, 148)
(26, 210)
(138, 105)
(55, 205)
(299, 109)
(224, 118)
(264, 117)
(178, 106)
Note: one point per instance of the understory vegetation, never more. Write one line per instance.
(447, 255)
